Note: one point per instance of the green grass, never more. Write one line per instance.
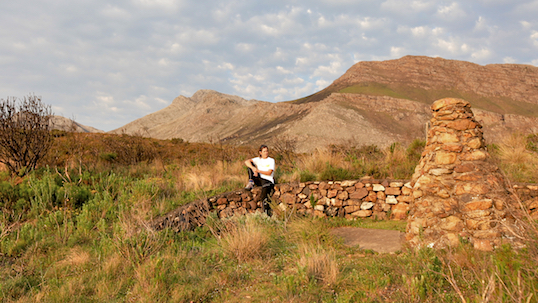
(85, 239)
(501, 105)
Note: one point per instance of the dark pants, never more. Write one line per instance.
(267, 189)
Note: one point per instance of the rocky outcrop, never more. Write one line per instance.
(458, 192)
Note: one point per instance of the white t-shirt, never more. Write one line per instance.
(265, 165)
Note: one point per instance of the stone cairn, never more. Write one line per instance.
(458, 193)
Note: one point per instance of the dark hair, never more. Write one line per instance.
(262, 147)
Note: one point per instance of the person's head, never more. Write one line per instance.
(264, 151)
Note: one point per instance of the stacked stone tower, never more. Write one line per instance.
(458, 193)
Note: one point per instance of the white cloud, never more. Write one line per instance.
(407, 7)
(397, 51)
(321, 84)
(534, 38)
(139, 54)
(335, 68)
(481, 55)
(451, 12)
(509, 60)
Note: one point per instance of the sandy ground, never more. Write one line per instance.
(381, 241)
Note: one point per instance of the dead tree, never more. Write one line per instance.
(25, 136)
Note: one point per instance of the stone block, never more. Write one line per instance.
(447, 138)
(399, 211)
(343, 195)
(461, 124)
(475, 143)
(464, 168)
(453, 147)
(319, 207)
(405, 199)
(391, 200)
(367, 205)
(362, 213)
(378, 187)
(372, 197)
(349, 183)
(288, 198)
(471, 188)
(353, 202)
(359, 194)
(474, 156)
(381, 195)
(395, 191)
(451, 223)
(440, 171)
(478, 205)
(445, 158)
(352, 208)
(337, 202)
(406, 191)
(324, 185)
(471, 176)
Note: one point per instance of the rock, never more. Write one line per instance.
(367, 205)
(378, 187)
(391, 200)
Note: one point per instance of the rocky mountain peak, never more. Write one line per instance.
(377, 102)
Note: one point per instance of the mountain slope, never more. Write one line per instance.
(372, 103)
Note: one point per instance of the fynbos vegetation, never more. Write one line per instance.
(76, 230)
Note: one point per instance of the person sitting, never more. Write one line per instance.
(261, 171)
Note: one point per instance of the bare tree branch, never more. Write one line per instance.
(25, 136)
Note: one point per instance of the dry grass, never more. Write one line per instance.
(320, 264)
(244, 240)
(206, 177)
(395, 154)
(76, 257)
(516, 160)
(317, 161)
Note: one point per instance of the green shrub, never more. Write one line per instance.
(306, 176)
(108, 156)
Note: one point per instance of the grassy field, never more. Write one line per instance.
(76, 230)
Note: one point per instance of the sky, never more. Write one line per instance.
(107, 63)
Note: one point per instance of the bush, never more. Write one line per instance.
(25, 136)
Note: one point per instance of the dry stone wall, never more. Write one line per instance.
(351, 199)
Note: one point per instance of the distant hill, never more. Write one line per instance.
(372, 103)
(65, 124)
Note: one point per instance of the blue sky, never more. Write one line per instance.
(107, 63)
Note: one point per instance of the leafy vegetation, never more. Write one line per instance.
(75, 230)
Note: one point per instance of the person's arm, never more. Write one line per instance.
(251, 165)
(266, 172)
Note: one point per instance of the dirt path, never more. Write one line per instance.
(379, 240)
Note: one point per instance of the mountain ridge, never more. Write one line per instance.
(374, 102)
